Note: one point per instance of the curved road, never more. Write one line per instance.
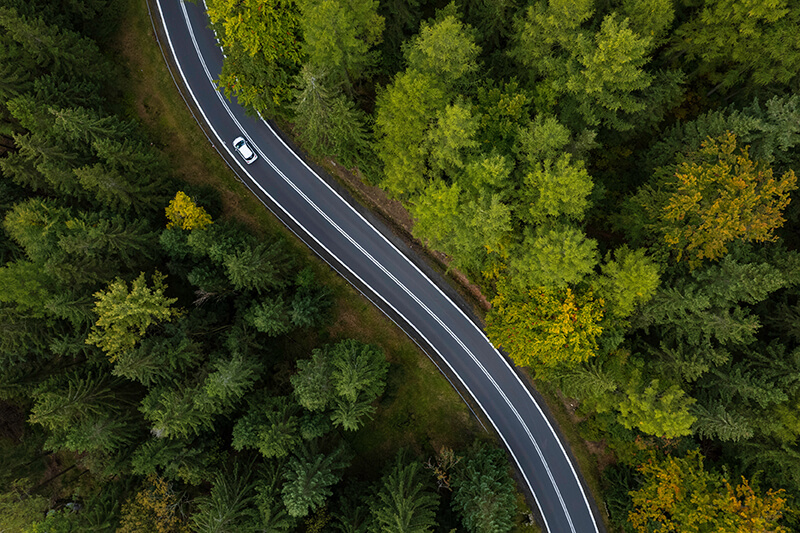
(368, 259)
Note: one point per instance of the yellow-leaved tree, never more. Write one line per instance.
(154, 509)
(720, 195)
(183, 213)
(679, 494)
(545, 326)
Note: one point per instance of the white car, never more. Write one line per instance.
(244, 150)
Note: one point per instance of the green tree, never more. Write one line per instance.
(271, 426)
(484, 491)
(351, 414)
(173, 411)
(313, 384)
(403, 111)
(555, 188)
(451, 137)
(124, 314)
(258, 268)
(733, 42)
(328, 123)
(445, 49)
(405, 504)
(553, 256)
(657, 410)
(339, 34)
(228, 382)
(270, 316)
(309, 477)
(358, 370)
(610, 74)
(53, 47)
(193, 462)
(273, 517)
(629, 279)
(229, 506)
(262, 48)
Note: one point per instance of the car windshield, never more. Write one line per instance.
(239, 144)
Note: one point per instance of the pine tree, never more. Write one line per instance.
(229, 507)
(273, 517)
(125, 314)
(405, 503)
(309, 477)
(271, 425)
(351, 414)
(270, 316)
(261, 268)
(339, 34)
(484, 491)
(313, 384)
(359, 370)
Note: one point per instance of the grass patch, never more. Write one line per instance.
(419, 410)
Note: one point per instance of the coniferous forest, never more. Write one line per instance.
(617, 177)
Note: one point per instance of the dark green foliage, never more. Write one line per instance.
(229, 507)
(258, 268)
(271, 426)
(405, 502)
(191, 462)
(328, 122)
(484, 491)
(309, 477)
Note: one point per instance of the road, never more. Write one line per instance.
(377, 267)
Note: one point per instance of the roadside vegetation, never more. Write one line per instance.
(172, 359)
(618, 178)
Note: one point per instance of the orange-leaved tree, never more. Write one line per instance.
(543, 326)
(720, 195)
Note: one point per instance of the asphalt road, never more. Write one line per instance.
(352, 246)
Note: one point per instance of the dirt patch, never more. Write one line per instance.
(12, 422)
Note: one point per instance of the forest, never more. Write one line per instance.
(618, 178)
(164, 367)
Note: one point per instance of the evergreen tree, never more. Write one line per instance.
(271, 425)
(313, 384)
(309, 477)
(229, 506)
(405, 504)
(484, 493)
(339, 34)
(261, 268)
(359, 369)
(125, 314)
